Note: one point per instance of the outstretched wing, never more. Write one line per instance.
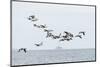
(79, 36)
(82, 32)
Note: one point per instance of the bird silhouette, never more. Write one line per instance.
(79, 36)
(82, 33)
(71, 35)
(66, 32)
(65, 36)
(68, 39)
(56, 37)
(34, 25)
(65, 39)
(24, 49)
(62, 40)
(39, 44)
(49, 34)
(38, 26)
(32, 18)
(43, 26)
(45, 30)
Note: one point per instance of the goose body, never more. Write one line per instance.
(39, 44)
(22, 49)
(32, 18)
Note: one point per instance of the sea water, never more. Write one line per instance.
(52, 56)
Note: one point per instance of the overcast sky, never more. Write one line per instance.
(58, 18)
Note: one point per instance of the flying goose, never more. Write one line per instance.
(32, 18)
(24, 49)
(49, 34)
(67, 39)
(79, 36)
(39, 44)
(45, 30)
(55, 37)
(43, 26)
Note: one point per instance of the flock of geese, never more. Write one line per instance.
(67, 36)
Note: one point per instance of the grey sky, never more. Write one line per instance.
(58, 18)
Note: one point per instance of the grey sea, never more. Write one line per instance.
(52, 56)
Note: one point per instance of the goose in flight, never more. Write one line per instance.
(39, 44)
(56, 37)
(67, 39)
(79, 36)
(24, 49)
(69, 34)
(66, 32)
(32, 18)
(65, 36)
(43, 26)
(62, 40)
(49, 34)
(45, 30)
(36, 26)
